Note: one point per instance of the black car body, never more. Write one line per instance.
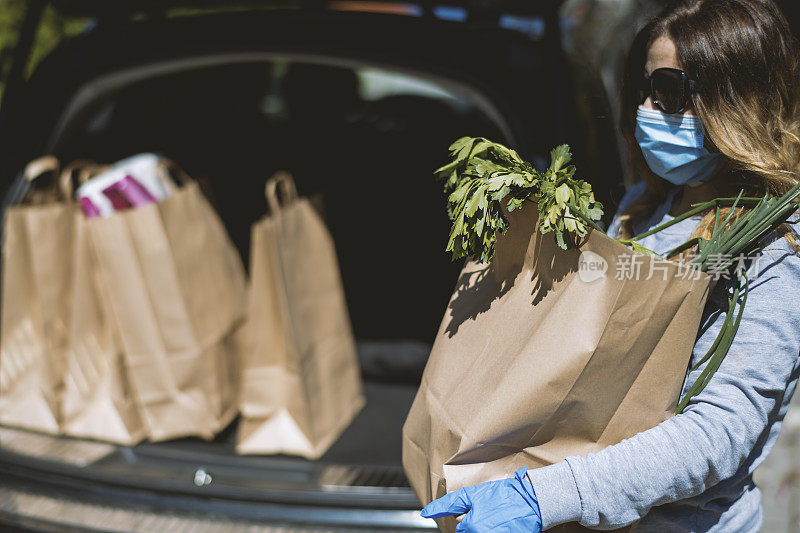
(232, 96)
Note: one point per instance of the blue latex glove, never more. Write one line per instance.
(508, 505)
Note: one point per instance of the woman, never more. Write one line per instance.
(710, 107)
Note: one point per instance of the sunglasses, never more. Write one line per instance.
(669, 88)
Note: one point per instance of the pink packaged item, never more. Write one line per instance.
(128, 193)
(89, 209)
(117, 199)
(131, 182)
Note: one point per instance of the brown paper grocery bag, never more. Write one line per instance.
(301, 381)
(546, 353)
(98, 401)
(37, 240)
(175, 288)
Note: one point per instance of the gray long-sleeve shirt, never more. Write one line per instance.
(693, 472)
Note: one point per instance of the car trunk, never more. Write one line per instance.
(360, 108)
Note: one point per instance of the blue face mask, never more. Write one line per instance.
(672, 145)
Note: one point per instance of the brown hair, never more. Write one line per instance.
(744, 59)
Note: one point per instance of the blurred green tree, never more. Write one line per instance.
(52, 29)
(11, 14)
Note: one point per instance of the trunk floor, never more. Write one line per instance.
(374, 438)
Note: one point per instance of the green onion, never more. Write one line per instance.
(741, 238)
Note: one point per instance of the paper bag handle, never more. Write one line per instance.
(174, 171)
(40, 166)
(37, 168)
(280, 181)
(83, 170)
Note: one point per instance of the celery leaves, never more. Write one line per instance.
(485, 177)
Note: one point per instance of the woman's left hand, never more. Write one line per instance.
(508, 505)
